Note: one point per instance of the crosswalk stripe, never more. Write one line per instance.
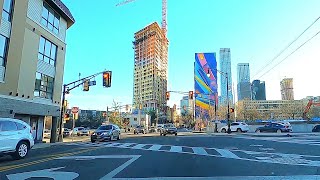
(176, 149)
(112, 144)
(155, 147)
(199, 150)
(138, 146)
(226, 153)
(124, 145)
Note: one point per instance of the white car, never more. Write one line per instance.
(81, 131)
(15, 138)
(286, 124)
(236, 127)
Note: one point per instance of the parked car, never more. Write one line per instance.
(15, 138)
(273, 127)
(81, 131)
(46, 133)
(168, 129)
(236, 127)
(286, 124)
(316, 128)
(140, 129)
(67, 132)
(159, 127)
(106, 132)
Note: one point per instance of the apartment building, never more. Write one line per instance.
(150, 68)
(32, 58)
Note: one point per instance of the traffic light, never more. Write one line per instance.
(66, 116)
(86, 85)
(190, 94)
(231, 110)
(167, 96)
(106, 78)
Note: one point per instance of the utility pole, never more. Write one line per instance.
(228, 112)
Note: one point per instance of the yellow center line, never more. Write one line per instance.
(51, 157)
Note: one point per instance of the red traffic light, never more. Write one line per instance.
(190, 94)
(167, 95)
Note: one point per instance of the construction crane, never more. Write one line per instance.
(164, 14)
(307, 109)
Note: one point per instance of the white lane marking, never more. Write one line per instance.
(45, 173)
(176, 149)
(138, 146)
(256, 145)
(119, 169)
(297, 177)
(155, 147)
(227, 154)
(199, 150)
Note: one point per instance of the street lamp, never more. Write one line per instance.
(228, 109)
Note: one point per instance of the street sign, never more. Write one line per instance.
(92, 83)
(75, 110)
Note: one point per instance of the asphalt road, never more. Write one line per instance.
(170, 157)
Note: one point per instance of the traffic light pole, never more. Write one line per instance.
(65, 91)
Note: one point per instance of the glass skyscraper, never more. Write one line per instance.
(225, 67)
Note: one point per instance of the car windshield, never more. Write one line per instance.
(105, 127)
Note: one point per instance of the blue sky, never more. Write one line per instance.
(255, 30)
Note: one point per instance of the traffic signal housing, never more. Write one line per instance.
(190, 94)
(106, 78)
(86, 85)
(66, 116)
(167, 95)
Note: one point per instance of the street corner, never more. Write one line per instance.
(71, 167)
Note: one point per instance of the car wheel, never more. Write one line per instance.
(175, 134)
(239, 130)
(78, 134)
(258, 131)
(160, 134)
(223, 131)
(93, 141)
(22, 150)
(164, 134)
(279, 131)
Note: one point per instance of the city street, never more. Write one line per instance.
(158, 157)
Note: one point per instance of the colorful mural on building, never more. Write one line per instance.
(205, 84)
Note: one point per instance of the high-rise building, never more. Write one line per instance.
(258, 90)
(286, 86)
(32, 59)
(186, 105)
(225, 67)
(150, 68)
(244, 85)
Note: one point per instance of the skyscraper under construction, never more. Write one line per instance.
(150, 68)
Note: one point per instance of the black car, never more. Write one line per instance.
(168, 129)
(316, 128)
(273, 127)
(106, 132)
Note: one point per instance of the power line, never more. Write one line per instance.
(260, 70)
(291, 53)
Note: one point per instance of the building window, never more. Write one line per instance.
(43, 86)
(50, 19)
(3, 50)
(7, 10)
(47, 51)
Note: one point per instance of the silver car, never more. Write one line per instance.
(106, 132)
